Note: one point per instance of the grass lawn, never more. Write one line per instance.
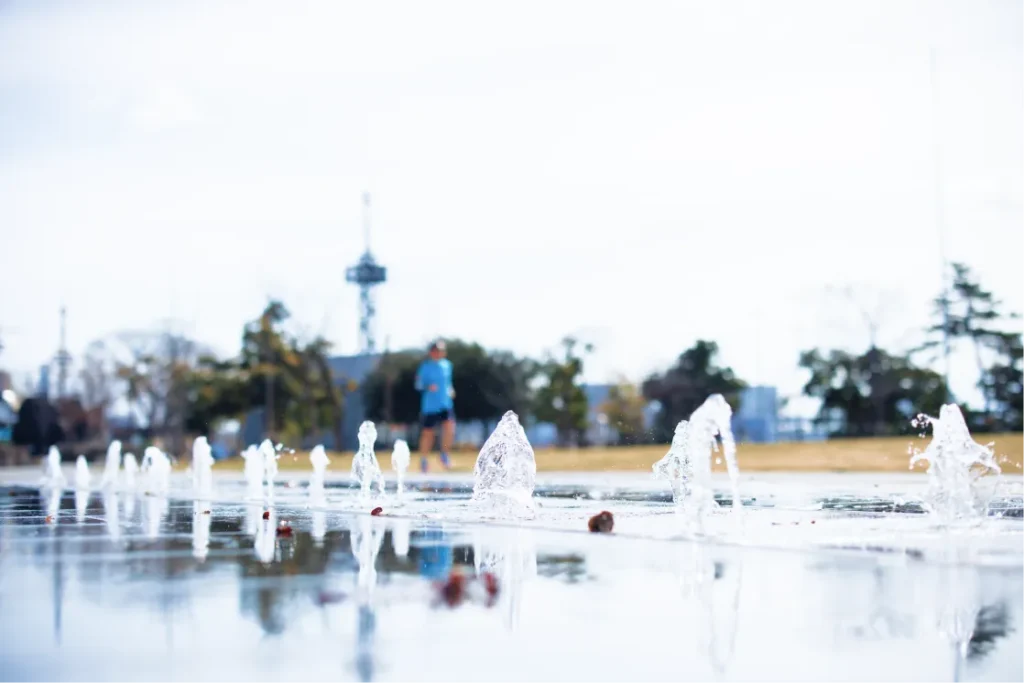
(887, 454)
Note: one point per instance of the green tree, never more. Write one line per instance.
(290, 380)
(488, 384)
(968, 312)
(1004, 385)
(686, 385)
(560, 400)
(873, 393)
(389, 391)
(624, 409)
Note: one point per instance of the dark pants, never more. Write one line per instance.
(431, 420)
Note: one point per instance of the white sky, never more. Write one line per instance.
(642, 174)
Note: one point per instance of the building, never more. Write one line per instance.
(757, 419)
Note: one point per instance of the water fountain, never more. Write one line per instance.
(687, 465)
(131, 470)
(157, 467)
(506, 470)
(82, 475)
(202, 466)
(270, 456)
(253, 472)
(54, 474)
(365, 468)
(112, 465)
(400, 464)
(319, 460)
(956, 465)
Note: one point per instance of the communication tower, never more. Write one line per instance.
(367, 274)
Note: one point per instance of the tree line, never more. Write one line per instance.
(174, 386)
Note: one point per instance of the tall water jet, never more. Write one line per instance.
(82, 476)
(400, 464)
(956, 465)
(270, 457)
(506, 470)
(319, 460)
(202, 466)
(112, 465)
(253, 472)
(54, 474)
(365, 468)
(157, 467)
(687, 465)
(131, 470)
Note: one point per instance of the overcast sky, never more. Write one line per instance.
(639, 174)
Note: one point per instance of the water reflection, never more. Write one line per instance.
(512, 557)
(348, 581)
(202, 515)
(112, 513)
(715, 585)
(81, 504)
(366, 538)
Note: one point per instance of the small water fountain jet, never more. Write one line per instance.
(956, 465)
(687, 465)
(131, 470)
(113, 464)
(319, 460)
(82, 475)
(400, 464)
(365, 468)
(202, 466)
(253, 472)
(157, 467)
(506, 470)
(270, 456)
(54, 475)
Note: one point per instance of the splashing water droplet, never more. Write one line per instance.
(506, 469)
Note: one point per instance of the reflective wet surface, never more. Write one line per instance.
(126, 586)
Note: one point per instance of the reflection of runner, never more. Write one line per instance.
(435, 558)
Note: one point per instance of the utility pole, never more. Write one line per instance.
(63, 357)
(940, 216)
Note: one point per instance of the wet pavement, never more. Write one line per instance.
(830, 586)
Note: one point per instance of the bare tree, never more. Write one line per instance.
(98, 378)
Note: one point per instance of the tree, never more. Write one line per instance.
(624, 408)
(560, 400)
(968, 312)
(686, 385)
(154, 368)
(389, 392)
(292, 381)
(98, 378)
(873, 393)
(486, 384)
(1004, 385)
